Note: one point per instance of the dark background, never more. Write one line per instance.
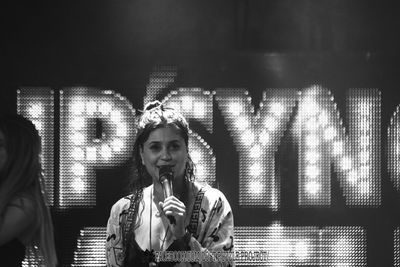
(253, 44)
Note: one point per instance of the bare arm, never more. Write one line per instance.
(17, 218)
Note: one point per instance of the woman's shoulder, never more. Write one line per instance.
(213, 202)
(211, 194)
(118, 208)
(122, 203)
(22, 216)
(125, 202)
(25, 202)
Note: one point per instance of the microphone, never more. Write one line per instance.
(165, 177)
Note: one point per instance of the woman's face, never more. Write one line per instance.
(165, 146)
(3, 152)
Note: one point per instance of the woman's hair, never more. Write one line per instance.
(21, 176)
(155, 116)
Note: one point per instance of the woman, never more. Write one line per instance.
(196, 218)
(25, 221)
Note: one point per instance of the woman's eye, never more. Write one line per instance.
(154, 147)
(175, 146)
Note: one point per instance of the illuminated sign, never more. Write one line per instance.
(97, 130)
(321, 135)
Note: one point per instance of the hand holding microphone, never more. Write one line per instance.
(165, 177)
(174, 209)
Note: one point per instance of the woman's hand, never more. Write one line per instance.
(172, 206)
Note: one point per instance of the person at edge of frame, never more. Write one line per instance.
(26, 228)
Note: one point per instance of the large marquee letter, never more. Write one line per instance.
(96, 131)
(256, 137)
(355, 155)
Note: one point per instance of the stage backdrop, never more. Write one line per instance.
(312, 173)
(293, 109)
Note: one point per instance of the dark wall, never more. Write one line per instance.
(116, 43)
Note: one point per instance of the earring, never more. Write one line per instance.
(189, 170)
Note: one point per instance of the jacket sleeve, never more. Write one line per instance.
(114, 241)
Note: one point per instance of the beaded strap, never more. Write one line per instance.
(131, 215)
(194, 219)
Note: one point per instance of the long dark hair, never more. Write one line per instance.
(21, 176)
(155, 116)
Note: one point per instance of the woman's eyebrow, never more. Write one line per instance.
(154, 142)
(160, 141)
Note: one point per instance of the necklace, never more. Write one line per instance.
(151, 218)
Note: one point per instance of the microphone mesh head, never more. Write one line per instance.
(165, 172)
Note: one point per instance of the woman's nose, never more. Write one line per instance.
(165, 154)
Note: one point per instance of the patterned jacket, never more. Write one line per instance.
(210, 221)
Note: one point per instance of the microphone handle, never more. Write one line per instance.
(167, 189)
